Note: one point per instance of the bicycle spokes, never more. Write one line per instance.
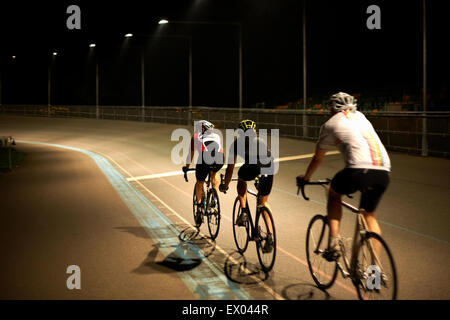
(324, 272)
(213, 213)
(375, 273)
(265, 239)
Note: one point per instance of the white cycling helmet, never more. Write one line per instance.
(206, 124)
(342, 101)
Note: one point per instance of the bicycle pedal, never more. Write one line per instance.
(241, 220)
(331, 255)
(268, 245)
(345, 274)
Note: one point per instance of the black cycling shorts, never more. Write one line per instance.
(371, 183)
(202, 170)
(249, 172)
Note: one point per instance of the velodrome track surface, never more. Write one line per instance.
(69, 206)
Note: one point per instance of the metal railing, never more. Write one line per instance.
(399, 131)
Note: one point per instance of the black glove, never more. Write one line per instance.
(301, 181)
(223, 188)
(185, 169)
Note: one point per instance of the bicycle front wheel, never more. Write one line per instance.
(266, 241)
(324, 272)
(213, 213)
(376, 276)
(240, 233)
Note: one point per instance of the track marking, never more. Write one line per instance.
(174, 213)
(240, 164)
(260, 282)
(291, 255)
(207, 280)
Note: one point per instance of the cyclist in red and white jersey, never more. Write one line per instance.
(367, 164)
(209, 147)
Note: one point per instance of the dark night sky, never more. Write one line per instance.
(342, 53)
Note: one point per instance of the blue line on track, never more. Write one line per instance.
(206, 281)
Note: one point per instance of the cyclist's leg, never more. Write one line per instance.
(334, 210)
(214, 181)
(372, 222)
(375, 184)
(201, 171)
(342, 183)
(373, 226)
(199, 190)
(242, 192)
(265, 186)
(244, 174)
(213, 174)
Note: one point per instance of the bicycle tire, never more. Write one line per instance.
(213, 214)
(316, 237)
(241, 234)
(194, 207)
(388, 277)
(267, 260)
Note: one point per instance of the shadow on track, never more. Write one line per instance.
(239, 270)
(304, 291)
(187, 254)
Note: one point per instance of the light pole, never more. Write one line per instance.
(424, 101)
(97, 109)
(1, 76)
(236, 24)
(129, 35)
(305, 127)
(49, 84)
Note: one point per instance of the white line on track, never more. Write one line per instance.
(180, 173)
(272, 292)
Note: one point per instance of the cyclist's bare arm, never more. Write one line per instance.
(229, 172)
(315, 162)
(190, 155)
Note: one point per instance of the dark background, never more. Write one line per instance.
(343, 55)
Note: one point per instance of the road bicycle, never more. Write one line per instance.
(371, 266)
(266, 242)
(210, 207)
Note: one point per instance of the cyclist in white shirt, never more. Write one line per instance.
(367, 164)
(211, 158)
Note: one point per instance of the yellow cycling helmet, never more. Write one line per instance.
(247, 124)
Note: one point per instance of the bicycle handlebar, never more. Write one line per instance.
(304, 183)
(313, 183)
(222, 181)
(186, 171)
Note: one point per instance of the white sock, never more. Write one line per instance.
(333, 242)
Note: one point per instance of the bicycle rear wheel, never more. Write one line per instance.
(376, 276)
(240, 233)
(194, 207)
(323, 272)
(266, 257)
(213, 213)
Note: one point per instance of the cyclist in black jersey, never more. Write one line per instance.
(258, 162)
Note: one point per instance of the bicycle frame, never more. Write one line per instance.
(208, 180)
(361, 229)
(252, 225)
